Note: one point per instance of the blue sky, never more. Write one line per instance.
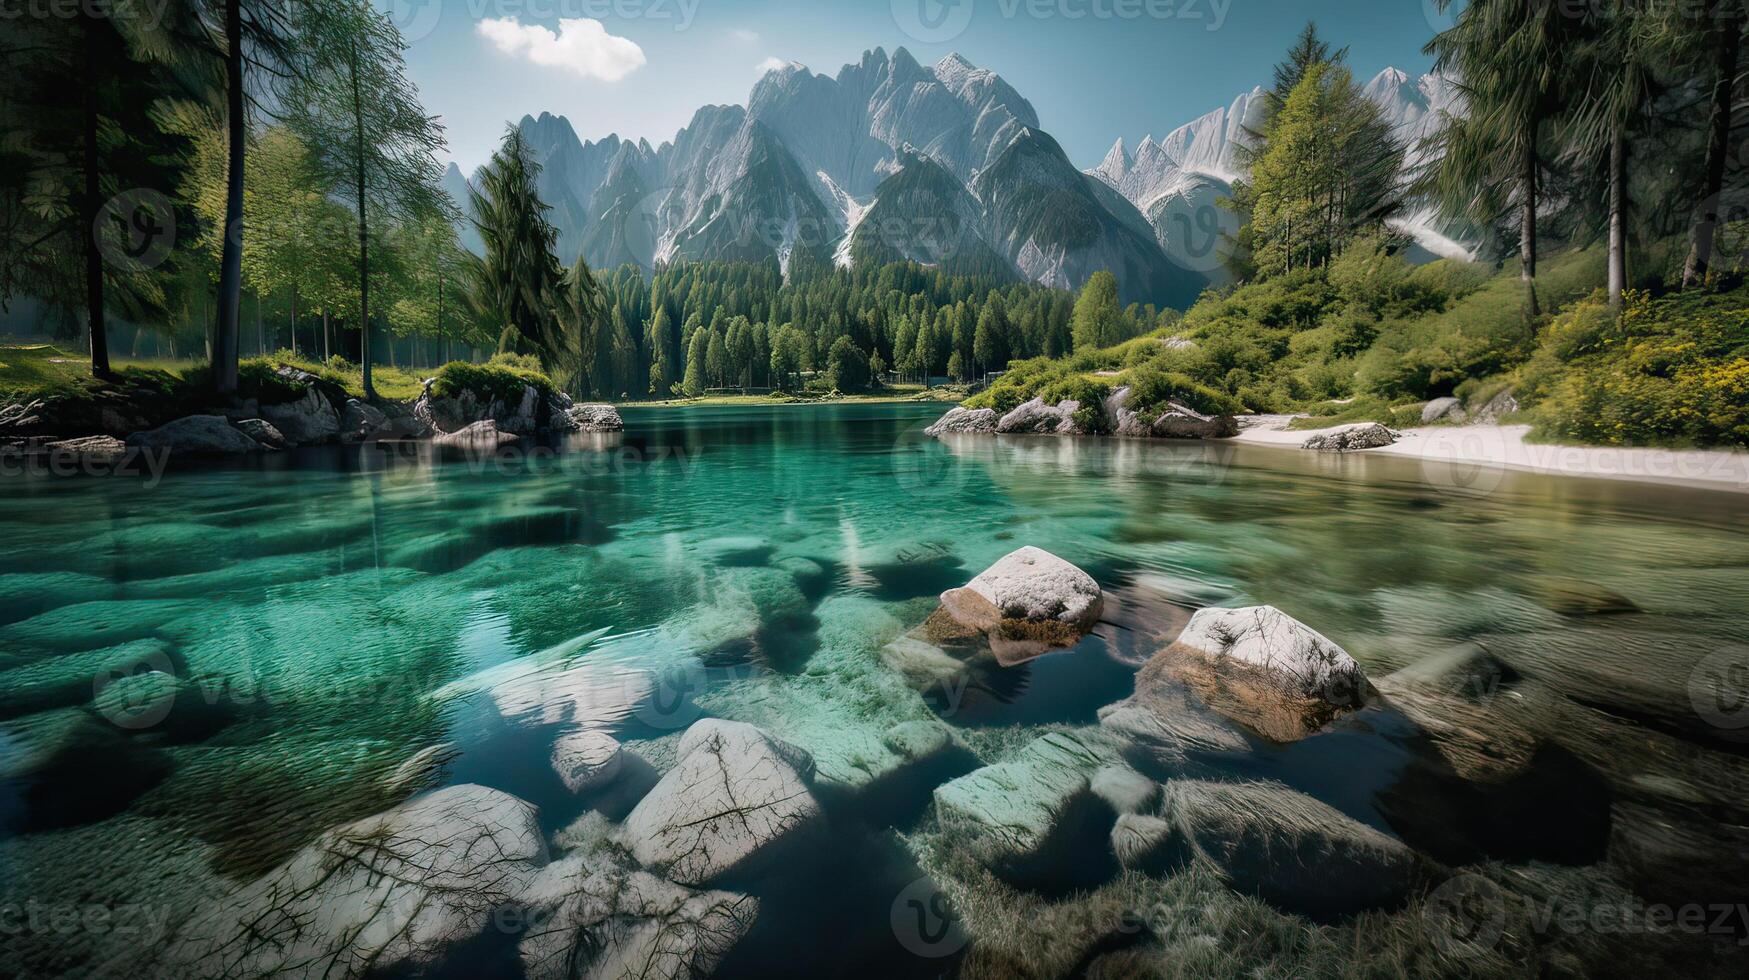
(1094, 69)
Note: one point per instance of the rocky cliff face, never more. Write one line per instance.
(951, 151)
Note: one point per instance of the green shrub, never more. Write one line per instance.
(1666, 371)
(502, 378)
(1151, 389)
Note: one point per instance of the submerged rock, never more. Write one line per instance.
(1124, 789)
(587, 760)
(1263, 669)
(395, 891)
(734, 796)
(1353, 438)
(197, 435)
(1146, 843)
(1283, 846)
(588, 918)
(1460, 698)
(964, 420)
(1020, 814)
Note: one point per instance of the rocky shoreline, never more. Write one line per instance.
(310, 411)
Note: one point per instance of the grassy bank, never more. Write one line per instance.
(1372, 338)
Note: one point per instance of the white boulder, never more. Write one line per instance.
(1264, 669)
(734, 796)
(391, 892)
(964, 420)
(586, 760)
(1352, 438)
(1028, 584)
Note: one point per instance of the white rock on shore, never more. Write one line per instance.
(1353, 438)
(965, 420)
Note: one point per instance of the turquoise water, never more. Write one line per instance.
(343, 610)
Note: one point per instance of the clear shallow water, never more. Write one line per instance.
(348, 609)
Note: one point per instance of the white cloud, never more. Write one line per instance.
(770, 65)
(744, 35)
(582, 46)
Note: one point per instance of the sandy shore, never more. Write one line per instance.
(1455, 454)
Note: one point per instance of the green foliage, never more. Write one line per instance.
(503, 377)
(1666, 371)
(1099, 320)
(846, 366)
(1151, 389)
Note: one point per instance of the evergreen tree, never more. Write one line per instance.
(694, 384)
(518, 282)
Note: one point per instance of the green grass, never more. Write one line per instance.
(1365, 408)
(42, 371)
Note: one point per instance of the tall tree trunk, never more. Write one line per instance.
(364, 321)
(91, 211)
(1706, 225)
(1618, 195)
(231, 257)
(1527, 223)
(325, 355)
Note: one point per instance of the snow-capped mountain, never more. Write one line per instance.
(1177, 181)
(951, 151)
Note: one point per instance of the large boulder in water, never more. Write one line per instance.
(1283, 846)
(1262, 668)
(197, 435)
(735, 797)
(1030, 585)
(390, 893)
(591, 918)
(965, 420)
(1028, 603)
